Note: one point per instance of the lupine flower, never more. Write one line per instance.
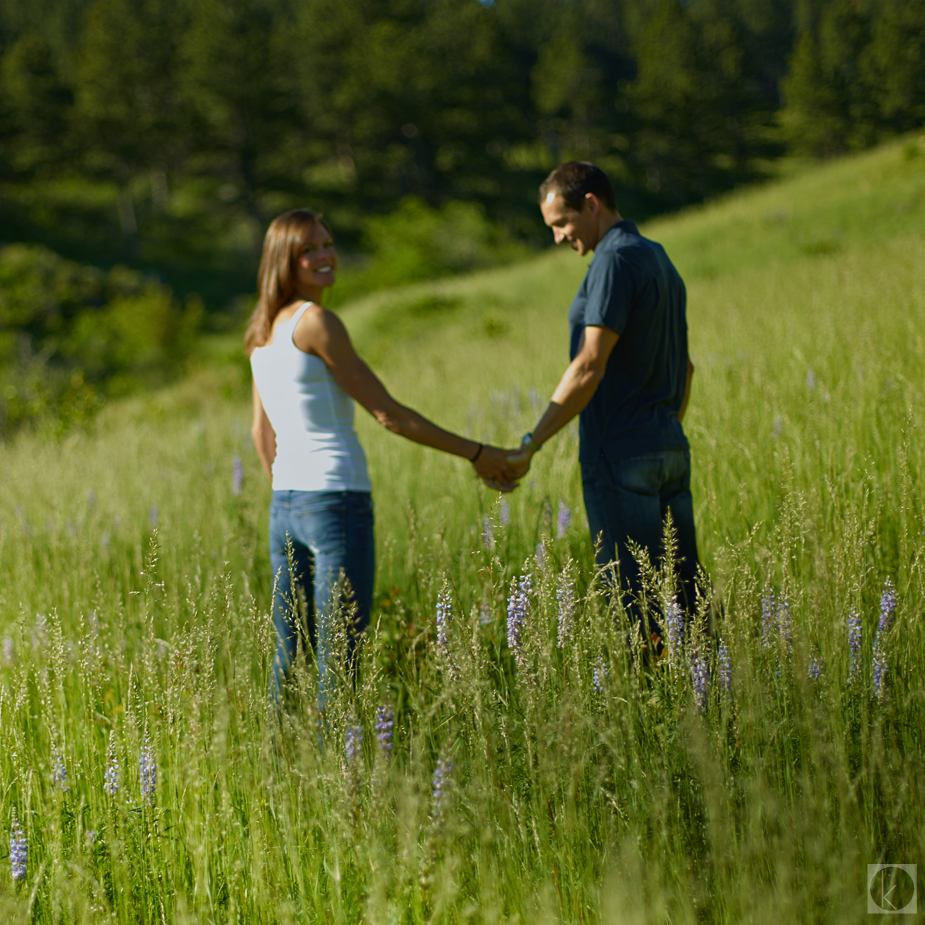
(811, 380)
(9, 650)
(565, 519)
(599, 675)
(152, 516)
(147, 772)
(815, 667)
(565, 595)
(541, 554)
(880, 671)
(887, 607)
(517, 608)
(724, 664)
(19, 849)
(778, 426)
(442, 783)
(784, 625)
(59, 774)
(854, 646)
(385, 730)
(353, 742)
(700, 679)
(91, 498)
(484, 613)
(674, 621)
(488, 536)
(237, 476)
(111, 784)
(504, 514)
(90, 837)
(768, 617)
(444, 614)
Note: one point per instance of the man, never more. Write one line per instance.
(629, 379)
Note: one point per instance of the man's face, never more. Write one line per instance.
(578, 228)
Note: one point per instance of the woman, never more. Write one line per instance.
(306, 377)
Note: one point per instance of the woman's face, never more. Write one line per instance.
(316, 263)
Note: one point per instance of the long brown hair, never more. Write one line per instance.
(281, 246)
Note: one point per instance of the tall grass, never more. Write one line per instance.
(575, 783)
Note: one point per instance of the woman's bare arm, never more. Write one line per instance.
(264, 436)
(323, 334)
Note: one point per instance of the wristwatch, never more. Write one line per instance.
(527, 441)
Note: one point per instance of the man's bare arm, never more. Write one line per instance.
(576, 388)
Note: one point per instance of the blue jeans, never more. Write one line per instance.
(628, 499)
(331, 532)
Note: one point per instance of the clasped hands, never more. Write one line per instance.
(501, 469)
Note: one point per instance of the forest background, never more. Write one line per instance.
(145, 144)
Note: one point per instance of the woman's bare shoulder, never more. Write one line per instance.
(317, 327)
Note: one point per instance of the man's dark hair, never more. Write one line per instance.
(574, 180)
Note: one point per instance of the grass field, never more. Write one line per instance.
(570, 786)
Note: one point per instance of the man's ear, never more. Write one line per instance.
(592, 202)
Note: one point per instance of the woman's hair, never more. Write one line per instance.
(281, 246)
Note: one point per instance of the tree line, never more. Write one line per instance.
(234, 109)
(163, 135)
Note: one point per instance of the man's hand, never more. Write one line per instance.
(518, 461)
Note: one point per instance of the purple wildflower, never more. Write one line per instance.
(565, 595)
(488, 536)
(111, 784)
(19, 849)
(147, 772)
(700, 679)
(724, 664)
(784, 625)
(442, 783)
(815, 667)
(674, 621)
(504, 514)
(887, 607)
(484, 612)
(517, 610)
(541, 555)
(59, 774)
(444, 614)
(152, 516)
(565, 519)
(385, 730)
(881, 668)
(854, 646)
(768, 617)
(237, 476)
(599, 675)
(9, 650)
(353, 743)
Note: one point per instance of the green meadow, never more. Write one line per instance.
(751, 776)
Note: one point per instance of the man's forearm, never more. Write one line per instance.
(571, 397)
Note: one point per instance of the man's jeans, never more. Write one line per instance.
(330, 532)
(628, 499)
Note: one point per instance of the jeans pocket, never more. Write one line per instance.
(643, 475)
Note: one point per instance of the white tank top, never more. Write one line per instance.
(316, 446)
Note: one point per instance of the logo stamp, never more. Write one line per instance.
(892, 889)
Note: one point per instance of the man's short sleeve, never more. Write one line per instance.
(609, 292)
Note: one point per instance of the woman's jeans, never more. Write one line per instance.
(628, 499)
(331, 533)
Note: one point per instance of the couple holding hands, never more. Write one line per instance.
(628, 379)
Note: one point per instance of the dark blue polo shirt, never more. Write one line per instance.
(632, 288)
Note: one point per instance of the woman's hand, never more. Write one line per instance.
(493, 468)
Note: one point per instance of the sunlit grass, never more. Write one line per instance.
(134, 590)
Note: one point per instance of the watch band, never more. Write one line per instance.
(527, 440)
